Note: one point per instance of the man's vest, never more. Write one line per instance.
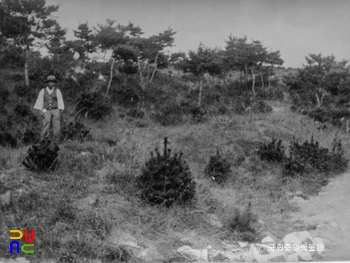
(50, 100)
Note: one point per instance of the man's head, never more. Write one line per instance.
(51, 80)
(51, 84)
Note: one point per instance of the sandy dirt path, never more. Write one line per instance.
(330, 212)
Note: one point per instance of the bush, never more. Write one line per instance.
(74, 130)
(22, 110)
(166, 179)
(24, 115)
(7, 139)
(42, 156)
(243, 224)
(328, 114)
(218, 169)
(28, 136)
(94, 104)
(168, 114)
(310, 157)
(127, 95)
(197, 114)
(302, 100)
(272, 152)
(319, 114)
(261, 107)
(337, 160)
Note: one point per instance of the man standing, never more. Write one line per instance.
(50, 102)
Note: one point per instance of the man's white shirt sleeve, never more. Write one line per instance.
(39, 104)
(60, 103)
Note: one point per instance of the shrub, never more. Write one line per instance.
(272, 152)
(218, 169)
(24, 115)
(337, 113)
(198, 114)
(243, 224)
(168, 114)
(166, 179)
(7, 139)
(22, 110)
(337, 159)
(42, 156)
(94, 104)
(261, 107)
(28, 136)
(319, 114)
(310, 157)
(74, 130)
(302, 100)
(127, 95)
(332, 114)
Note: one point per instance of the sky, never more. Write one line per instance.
(296, 28)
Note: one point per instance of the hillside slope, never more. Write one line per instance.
(98, 178)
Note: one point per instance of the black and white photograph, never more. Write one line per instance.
(168, 131)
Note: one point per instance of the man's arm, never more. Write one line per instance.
(39, 104)
(60, 102)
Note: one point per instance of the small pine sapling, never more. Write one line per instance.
(42, 156)
(218, 168)
(272, 152)
(166, 179)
